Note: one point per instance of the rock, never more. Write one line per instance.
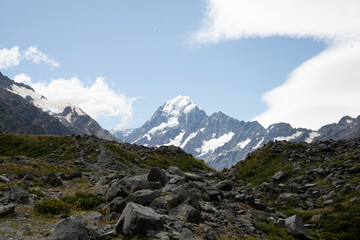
(24, 230)
(271, 220)
(354, 169)
(175, 171)
(137, 182)
(190, 213)
(52, 180)
(18, 194)
(74, 227)
(159, 203)
(116, 189)
(348, 188)
(316, 217)
(113, 216)
(7, 209)
(193, 177)
(142, 197)
(72, 176)
(138, 220)
(4, 179)
(211, 236)
(296, 225)
(226, 185)
(291, 199)
(278, 176)
(94, 217)
(157, 175)
(116, 205)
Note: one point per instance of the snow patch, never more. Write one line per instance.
(311, 137)
(174, 106)
(212, 144)
(288, 138)
(172, 122)
(191, 136)
(349, 121)
(259, 144)
(243, 144)
(177, 140)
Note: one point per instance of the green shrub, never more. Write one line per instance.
(53, 206)
(85, 201)
(274, 232)
(37, 193)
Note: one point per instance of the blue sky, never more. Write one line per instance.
(145, 52)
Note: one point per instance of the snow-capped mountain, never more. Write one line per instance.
(220, 140)
(72, 117)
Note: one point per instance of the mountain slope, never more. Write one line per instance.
(71, 117)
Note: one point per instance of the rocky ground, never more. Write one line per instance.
(87, 188)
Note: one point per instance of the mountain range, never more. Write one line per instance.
(220, 140)
(24, 111)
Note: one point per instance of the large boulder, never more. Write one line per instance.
(74, 227)
(190, 213)
(289, 199)
(137, 182)
(116, 189)
(52, 180)
(138, 220)
(157, 175)
(296, 225)
(116, 205)
(226, 185)
(143, 197)
(175, 171)
(18, 194)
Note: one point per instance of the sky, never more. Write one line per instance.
(294, 61)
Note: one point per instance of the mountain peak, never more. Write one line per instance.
(178, 105)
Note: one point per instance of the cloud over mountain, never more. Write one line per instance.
(96, 99)
(321, 89)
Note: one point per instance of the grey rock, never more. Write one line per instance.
(316, 217)
(190, 213)
(52, 180)
(74, 227)
(116, 205)
(4, 179)
(18, 194)
(116, 189)
(24, 230)
(137, 182)
(175, 171)
(193, 177)
(138, 220)
(278, 176)
(7, 209)
(291, 199)
(296, 225)
(157, 175)
(142, 197)
(226, 185)
(211, 236)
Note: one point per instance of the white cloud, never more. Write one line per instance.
(23, 78)
(319, 91)
(34, 55)
(97, 99)
(12, 57)
(9, 57)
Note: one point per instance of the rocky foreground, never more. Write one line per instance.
(87, 188)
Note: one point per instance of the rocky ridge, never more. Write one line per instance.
(296, 191)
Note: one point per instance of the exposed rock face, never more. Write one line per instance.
(138, 220)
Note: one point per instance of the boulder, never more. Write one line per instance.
(138, 220)
(116, 189)
(52, 180)
(116, 205)
(4, 179)
(72, 176)
(278, 176)
(296, 225)
(226, 185)
(18, 194)
(190, 213)
(288, 199)
(142, 197)
(74, 227)
(157, 175)
(6, 210)
(137, 182)
(193, 177)
(175, 171)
